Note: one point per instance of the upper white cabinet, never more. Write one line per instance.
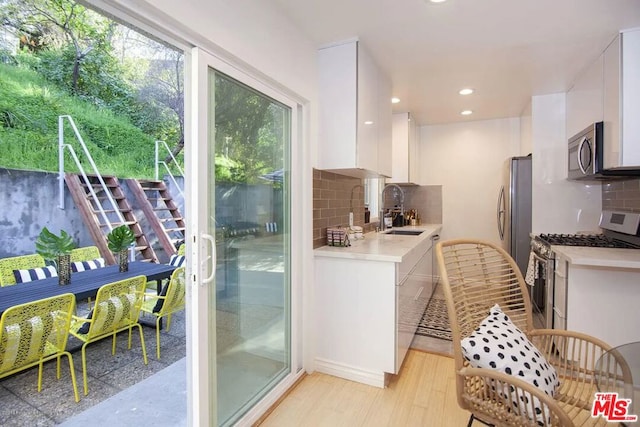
(405, 149)
(354, 112)
(584, 99)
(621, 99)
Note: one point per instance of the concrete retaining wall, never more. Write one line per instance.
(29, 202)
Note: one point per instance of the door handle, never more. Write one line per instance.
(212, 242)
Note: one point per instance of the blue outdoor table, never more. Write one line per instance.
(83, 284)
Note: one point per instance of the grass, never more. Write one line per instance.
(29, 110)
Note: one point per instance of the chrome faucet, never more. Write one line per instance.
(382, 225)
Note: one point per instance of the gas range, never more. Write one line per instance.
(591, 240)
(619, 230)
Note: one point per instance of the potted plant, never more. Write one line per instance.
(118, 241)
(57, 249)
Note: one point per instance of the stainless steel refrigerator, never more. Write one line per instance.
(514, 210)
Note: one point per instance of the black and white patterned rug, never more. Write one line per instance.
(435, 320)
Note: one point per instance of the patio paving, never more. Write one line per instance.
(108, 375)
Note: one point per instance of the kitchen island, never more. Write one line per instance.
(369, 298)
(597, 292)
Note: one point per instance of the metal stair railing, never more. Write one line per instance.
(94, 196)
(166, 166)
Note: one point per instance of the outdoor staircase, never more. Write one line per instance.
(161, 211)
(100, 216)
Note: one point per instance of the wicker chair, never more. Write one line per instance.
(173, 299)
(7, 265)
(475, 276)
(36, 332)
(117, 307)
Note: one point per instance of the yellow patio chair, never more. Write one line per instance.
(34, 333)
(176, 260)
(22, 262)
(170, 300)
(86, 253)
(507, 372)
(116, 309)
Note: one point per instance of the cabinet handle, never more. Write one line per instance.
(419, 293)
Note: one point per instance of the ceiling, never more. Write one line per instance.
(506, 50)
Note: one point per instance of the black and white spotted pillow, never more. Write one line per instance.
(498, 344)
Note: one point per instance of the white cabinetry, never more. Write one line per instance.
(367, 309)
(354, 112)
(405, 146)
(412, 296)
(621, 98)
(584, 99)
(593, 296)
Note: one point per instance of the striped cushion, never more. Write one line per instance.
(176, 260)
(23, 276)
(87, 265)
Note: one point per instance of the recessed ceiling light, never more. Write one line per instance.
(466, 112)
(437, 1)
(368, 122)
(466, 91)
(395, 100)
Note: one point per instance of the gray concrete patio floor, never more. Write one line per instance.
(122, 389)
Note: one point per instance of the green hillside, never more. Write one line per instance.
(29, 110)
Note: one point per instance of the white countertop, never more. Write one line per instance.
(380, 246)
(599, 257)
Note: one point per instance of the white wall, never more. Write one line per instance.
(526, 138)
(468, 160)
(559, 206)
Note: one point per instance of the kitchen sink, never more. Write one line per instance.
(405, 232)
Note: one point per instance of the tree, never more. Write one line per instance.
(157, 71)
(57, 23)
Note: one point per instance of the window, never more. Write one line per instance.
(372, 196)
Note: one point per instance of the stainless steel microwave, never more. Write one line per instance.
(585, 153)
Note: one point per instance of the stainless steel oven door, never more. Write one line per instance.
(541, 300)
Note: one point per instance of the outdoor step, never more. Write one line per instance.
(118, 224)
(159, 186)
(99, 185)
(176, 219)
(168, 230)
(155, 199)
(89, 196)
(108, 211)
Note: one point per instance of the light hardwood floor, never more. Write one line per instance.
(423, 394)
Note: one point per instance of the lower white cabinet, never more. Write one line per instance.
(367, 312)
(599, 301)
(412, 297)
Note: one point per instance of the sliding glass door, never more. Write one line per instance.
(241, 303)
